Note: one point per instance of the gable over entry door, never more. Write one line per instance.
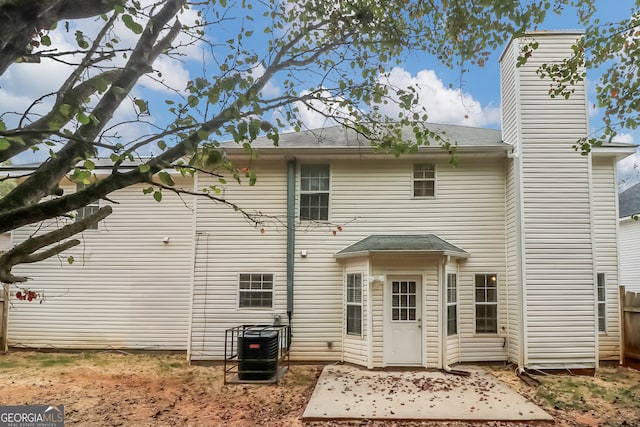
(403, 341)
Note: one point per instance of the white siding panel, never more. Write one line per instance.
(122, 291)
(630, 254)
(557, 222)
(368, 196)
(606, 253)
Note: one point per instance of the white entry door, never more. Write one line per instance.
(403, 342)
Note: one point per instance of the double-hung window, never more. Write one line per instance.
(314, 192)
(255, 290)
(486, 287)
(87, 210)
(602, 302)
(452, 304)
(424, 180)
(354, 304)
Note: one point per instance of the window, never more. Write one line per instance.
(314, 192)
(354, 304)
(256, 291)
(403, 301)
(452, 304)
(424, 180)
(486, 303)
(88, 210)
(602, 303)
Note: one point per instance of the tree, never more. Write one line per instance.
(331, 57)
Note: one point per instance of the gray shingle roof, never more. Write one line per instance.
(402, 243)
(629, 201)
(343, 138)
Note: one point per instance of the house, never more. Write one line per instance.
(629, 209)
(372, 259)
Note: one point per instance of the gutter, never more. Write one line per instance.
(291, 238)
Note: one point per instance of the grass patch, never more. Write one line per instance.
(587, 393)
(8, 363)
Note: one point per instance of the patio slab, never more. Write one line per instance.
(346, 392)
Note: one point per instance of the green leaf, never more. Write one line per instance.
(83, 118)
(147, 190)
(45, 40)
(158, 196)
(162, 145)
(89, 165)
(193, 101)
(166, 179)
(70, 259)
(142, 105)
(4, 143)
(131, 24)
(144, 168)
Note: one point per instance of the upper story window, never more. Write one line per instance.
(255, 291)
(87, 210)
(486, 303)
(314, 192)
(424, 180)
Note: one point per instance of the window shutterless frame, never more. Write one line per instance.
(601, 279)
(353, 304)
(85, 211)
(452, 304)
(315, 183)
(486, 303)
(255, 290)
(424, 180)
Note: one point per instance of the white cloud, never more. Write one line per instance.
(443, 104)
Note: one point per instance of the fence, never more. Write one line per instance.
(630, 306)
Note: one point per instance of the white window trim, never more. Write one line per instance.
(273, 292)
(413, 181)
(450, 304)
(79, 212)
(476, 304)
(352, 304)
(602, 303)
(301, 192)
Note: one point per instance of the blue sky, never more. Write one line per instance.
(474, 102)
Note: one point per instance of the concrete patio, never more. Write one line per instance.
(347, 392)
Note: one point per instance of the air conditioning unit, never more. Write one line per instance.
(257, 354)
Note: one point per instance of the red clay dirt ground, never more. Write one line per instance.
(116, 389)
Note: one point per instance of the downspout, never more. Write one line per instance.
(291, 238)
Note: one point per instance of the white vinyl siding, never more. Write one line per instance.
(474, 190)
(630, 254)
(126, 289)
(605, 230)
(226, 244)
(556, 215)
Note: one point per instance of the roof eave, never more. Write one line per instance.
(454, 254)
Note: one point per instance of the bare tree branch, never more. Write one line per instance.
(25, 252)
